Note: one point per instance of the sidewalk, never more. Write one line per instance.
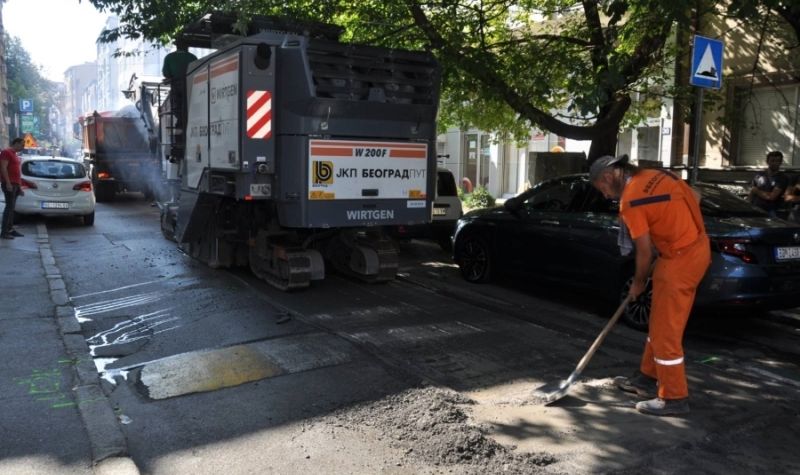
(48, 417)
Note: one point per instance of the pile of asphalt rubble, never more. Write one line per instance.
(431, 425)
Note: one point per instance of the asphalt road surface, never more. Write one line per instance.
(213, 370)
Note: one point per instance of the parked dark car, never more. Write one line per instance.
(565, 231)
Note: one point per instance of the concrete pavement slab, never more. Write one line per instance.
(42, 430)
(210, 370)
(21, 274)
(43, 418)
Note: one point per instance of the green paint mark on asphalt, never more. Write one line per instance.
(45, 385)
(62, 405)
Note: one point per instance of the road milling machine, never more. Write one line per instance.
(290, 151)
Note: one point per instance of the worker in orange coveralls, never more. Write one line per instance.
(661, 211)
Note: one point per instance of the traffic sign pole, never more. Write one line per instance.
(698, 134)
(706, 72)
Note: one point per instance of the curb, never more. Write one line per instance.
(108, 444)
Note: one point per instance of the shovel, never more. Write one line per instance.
(552, 392)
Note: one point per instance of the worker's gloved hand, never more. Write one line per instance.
(637, 288)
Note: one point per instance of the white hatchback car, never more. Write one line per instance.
(56, 186)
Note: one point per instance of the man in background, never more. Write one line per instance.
(768, 185)
(174, 69)
(176, 62)
(11, 175)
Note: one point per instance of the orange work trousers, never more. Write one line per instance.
(675, 280)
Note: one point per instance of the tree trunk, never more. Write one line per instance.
(605, 144)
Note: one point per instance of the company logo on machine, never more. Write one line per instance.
(323, 172)
(259, 114)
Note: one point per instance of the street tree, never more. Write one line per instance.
(25, 81)
(566, 66)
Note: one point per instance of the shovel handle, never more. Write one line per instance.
(602, 336)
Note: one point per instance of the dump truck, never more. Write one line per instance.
(293, 150)
(118, 154)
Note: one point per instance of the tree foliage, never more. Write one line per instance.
(25, 81)
(566, 66)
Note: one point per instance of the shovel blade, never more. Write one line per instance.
(552, 392)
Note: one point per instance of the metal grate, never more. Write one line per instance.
(365, 73)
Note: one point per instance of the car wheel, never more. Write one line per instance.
(474, 259)
(637, 313)
(88, 219)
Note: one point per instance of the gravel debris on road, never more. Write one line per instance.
(433, 425)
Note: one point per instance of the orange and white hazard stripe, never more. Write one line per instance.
(259, 115)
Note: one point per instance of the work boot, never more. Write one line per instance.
(16, 233)
(640, 384)
(663, 407)
(6, 236)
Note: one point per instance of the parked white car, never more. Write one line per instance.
(444, 215)
(56, 186)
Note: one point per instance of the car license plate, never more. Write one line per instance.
(439, 211)
(787, 253)
(54, 205)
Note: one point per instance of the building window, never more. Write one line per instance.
(768, 121)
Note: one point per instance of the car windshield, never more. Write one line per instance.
(568, 195)
(721, 203)
(53, 169)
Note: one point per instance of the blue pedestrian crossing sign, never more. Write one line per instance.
(706, 68)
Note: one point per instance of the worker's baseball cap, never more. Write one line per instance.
(602, 163)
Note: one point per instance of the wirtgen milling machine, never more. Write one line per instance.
(296, 149)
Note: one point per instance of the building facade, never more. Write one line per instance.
(760, 94)
(117, 62)
(5, 113)
(77, 80)
(503, 168)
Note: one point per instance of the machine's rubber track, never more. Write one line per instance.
(283, 267)
(289, 270)
(369, 258)
(388, 261)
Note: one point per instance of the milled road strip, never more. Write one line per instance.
(210, 370)
(105, 435)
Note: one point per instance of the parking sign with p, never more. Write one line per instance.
(25, 105)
